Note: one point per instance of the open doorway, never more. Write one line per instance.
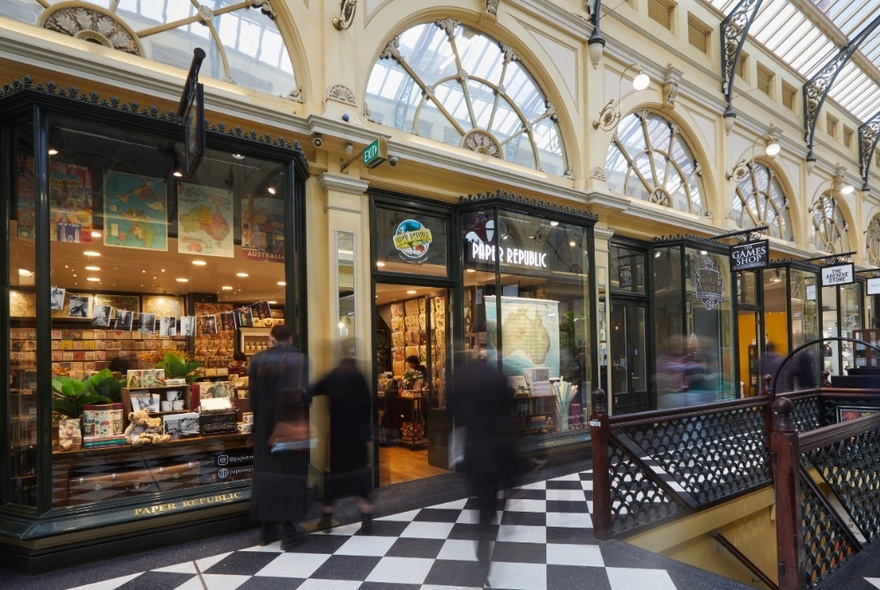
(411, 322)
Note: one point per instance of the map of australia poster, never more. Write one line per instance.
(529, 332)
(135, 212)
(204, 221)
(262, 228)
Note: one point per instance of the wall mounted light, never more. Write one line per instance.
(609, 116)
(839, 183)
(772, 147)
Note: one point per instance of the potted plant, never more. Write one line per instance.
(69, 398)
(176, 367)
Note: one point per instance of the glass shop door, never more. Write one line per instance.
(628, 357)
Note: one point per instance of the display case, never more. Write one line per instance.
(253, 340)
(865, 356)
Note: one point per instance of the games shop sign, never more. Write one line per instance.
(751, 255)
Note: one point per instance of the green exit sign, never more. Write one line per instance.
(376, 153)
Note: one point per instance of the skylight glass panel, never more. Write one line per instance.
(456, 76)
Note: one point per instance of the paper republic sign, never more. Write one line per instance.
(751, 255)
(842, 274)
(479, 247)
(412, 240)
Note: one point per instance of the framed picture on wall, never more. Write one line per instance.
(163, 305)
(845, 413)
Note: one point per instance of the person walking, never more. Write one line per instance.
(350, 430)
(279, 392)
(480, 401)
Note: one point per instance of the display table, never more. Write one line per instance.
(404, 420)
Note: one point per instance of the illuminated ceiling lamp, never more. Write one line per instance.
(609, 116)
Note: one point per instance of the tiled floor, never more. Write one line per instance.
(544, 541)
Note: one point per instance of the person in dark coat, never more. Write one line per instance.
(279, 389)
(350, 431)
(480, 401)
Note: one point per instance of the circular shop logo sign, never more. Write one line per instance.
(412, 239)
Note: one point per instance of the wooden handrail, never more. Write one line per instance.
(741, 557)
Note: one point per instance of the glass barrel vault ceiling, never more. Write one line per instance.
(806, 34)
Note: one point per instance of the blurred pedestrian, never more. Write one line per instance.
(770, 365)
(480, 401)
(350, 430)
(237, 367)
(279, 393)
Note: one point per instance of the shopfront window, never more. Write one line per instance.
(22, 345)
(694, 336)
(143, 265)
(533, 318)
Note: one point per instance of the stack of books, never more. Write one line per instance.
(94, 442)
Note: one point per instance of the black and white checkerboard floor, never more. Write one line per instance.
(544, 541)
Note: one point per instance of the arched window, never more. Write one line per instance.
(829, 226)
(453, 84)
(242, 41)
(760, 201)
(649, 160)
(873, 239)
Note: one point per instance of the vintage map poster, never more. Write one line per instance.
(529, 332)
(262, 228)
(70, 203)
(135, 212)
(204, 221)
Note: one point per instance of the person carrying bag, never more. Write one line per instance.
(280, 401)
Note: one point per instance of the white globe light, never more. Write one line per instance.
(641, 81)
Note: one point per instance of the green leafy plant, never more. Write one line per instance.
(176, 366)
(70, 396)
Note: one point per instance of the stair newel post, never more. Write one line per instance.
(785, 460)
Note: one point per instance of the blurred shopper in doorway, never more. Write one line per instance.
(350, 474)
(480, 401)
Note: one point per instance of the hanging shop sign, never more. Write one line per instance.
(873, 286)
(412, 240)
(708, 284)
(841, 274)
(750, 255)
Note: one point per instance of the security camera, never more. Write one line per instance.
(393, 160)
(318, 140)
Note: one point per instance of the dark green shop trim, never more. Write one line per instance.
(64, 538)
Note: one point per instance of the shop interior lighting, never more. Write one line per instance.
(52, 152)
(92, 253)
(271, 190)
(242, 275)
(411, 292)
(380, 263)
(182, 280)
(226, 288)
(238, 156)
(199, 262)
(94, 268)
(281, 283)
(23, 272)
(610, 114)
(96, 234)
(93, 279)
